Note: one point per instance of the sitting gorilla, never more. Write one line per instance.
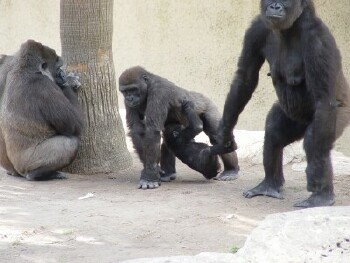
(40, 117)
(313, 95)
(152, 103)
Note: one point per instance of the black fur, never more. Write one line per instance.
(198, 156)
(313, 96)
(152, 103)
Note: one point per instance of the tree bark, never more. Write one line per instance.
(86, 37)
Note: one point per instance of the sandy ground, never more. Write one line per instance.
(47, 222)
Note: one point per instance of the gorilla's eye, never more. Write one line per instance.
(44, 66)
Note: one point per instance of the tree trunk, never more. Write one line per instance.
(86, 35)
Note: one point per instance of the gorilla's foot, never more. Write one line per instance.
(38, 176)
(145, 184)
(227, 175)
(167, 177)
(13, 174)
(59, 176)
(264, 188)
(318, 199)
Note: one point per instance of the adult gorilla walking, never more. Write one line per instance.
(313, 95)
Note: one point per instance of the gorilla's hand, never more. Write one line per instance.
(219, 149)
(173, 134)
(150, 178)
(225, 139)
(69, 80)
(72, 81)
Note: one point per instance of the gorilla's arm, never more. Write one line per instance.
(64, 117)
(70, 88)
(245, 81)
(156, 114)
(136, 131)
(195, 124)
(320, 62)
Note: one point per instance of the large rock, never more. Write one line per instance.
(310, 236)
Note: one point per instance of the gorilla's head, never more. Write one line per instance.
(281, 14)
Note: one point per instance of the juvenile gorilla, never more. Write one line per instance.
(313, 95)
(152, 103)
(40, 121)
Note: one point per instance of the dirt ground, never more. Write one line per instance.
(47, 222)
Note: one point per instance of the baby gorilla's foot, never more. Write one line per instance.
(318, 199)
(266, 189)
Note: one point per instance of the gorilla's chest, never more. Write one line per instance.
(288, 76)
(287, 65)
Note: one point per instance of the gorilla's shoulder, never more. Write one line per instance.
(258, 27)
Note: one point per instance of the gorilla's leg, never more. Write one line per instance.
(4, 160)
(167, 164)
(42, 162)
(319, 174)
(279, 132)
(343, 119)
(211, 121)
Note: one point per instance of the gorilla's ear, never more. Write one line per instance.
(43, 68)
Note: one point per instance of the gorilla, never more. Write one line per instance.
(198, 156)
(313, 95)
(40, 116)
(152, 103)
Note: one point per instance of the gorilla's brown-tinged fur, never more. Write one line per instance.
(40, 121)
(152, 102)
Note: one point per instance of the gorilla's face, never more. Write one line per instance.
(280, 14)
(135, 94)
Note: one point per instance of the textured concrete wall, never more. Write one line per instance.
(194, 43)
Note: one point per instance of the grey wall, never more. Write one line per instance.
(194, 43)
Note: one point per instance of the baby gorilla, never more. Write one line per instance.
(198, 156)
